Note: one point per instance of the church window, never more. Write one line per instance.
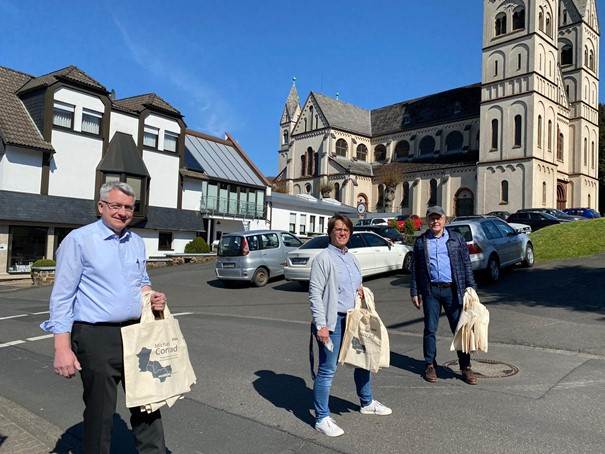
(518, 128)
(541, 20)
(427, 145)
(316, 121)
(305, 123)
(586, 56)
(566, 55)
(494, 134)
(504, 191)
(519, 18)
(544, 193)
(519, 61)
(362, 152)
(453, 141)
(405, 201)
(500, 24)
(316, 163)
(540, 131)
(592, 155)
(495, 68)
(591, 59)
(589, 206)
(285, 142)
(303, 165)
(310, 168)
(560, 142)
(548, 25)
(433, 193)
(549, 139)
(308, 188)
(380, 153)
(337, 191)
(585, 151)
(341, 147)
(402, 150)
(565, 17)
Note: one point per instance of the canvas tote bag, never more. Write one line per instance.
(157, 369)
(472, 330)
(365, 343)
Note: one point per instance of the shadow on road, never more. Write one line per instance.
(292, 394)
(292, 286)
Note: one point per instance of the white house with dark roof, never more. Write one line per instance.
(525, 136)
(63, 135)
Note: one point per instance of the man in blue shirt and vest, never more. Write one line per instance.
(99, 279)
(441, 272)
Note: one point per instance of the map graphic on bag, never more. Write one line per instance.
(157, 369)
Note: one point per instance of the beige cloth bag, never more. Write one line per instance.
(365, 343)
(157, 369)
(472, 329)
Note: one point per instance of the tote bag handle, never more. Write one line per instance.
(147, 314)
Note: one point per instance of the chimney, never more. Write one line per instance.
(112, 95)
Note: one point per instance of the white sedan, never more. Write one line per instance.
(375, 254)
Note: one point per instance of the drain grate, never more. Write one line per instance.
(487, 368)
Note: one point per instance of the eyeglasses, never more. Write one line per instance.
(118, 206)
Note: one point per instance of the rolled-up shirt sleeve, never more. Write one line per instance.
(67, 278)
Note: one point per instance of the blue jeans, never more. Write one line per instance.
(448, 298)
(327, 369)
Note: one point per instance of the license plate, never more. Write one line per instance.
(299, 260)
(228, 265)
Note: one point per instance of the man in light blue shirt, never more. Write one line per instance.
(99, 279)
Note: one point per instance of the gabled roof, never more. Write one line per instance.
(123, 156)
(342, 115)
(220, 159)
(71, 74)
(148, 100)
(310, 204)
(446, 106)
(16, 125)
(354, 167)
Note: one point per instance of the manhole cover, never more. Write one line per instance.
(487, 368)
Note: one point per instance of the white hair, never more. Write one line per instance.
(120, 186)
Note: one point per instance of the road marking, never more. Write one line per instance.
(13, 316)
(45, 336)
(182, 313)
(40, 313)
(8, 344)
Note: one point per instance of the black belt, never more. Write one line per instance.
(342, 314)
(442, 284)
(115, 324)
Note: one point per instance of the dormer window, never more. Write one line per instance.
(91, 122)
(170, 141)
(150, 137)
(63, 115)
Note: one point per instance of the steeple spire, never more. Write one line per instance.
(292, 107)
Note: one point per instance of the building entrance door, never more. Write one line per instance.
(561, 195)
(465, 202)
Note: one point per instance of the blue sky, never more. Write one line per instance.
(228, 65)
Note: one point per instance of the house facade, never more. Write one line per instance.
(525, 136)
(63, 135)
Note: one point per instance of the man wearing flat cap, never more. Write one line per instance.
(441, 272)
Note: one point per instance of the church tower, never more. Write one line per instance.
(287, 122)
(523, 105)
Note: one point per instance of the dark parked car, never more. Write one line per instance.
(535, 219)
(386, 232)
(588, 213)
(500, 214)
(555, 213)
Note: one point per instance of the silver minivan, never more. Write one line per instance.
(254, 256)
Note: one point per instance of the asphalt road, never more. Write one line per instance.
(249, 349)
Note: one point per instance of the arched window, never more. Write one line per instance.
(585, 151)
(405, 201)
(310, 118)
(519, 18)
(402, 150)
(519, 61)
(380, 153)
(310, 167)
(544, 193)
(303, 165)
(560, 142)
(518, 129)
(341, 147)
(308, 188)
(549, 138)
(567, 55)
(433, 193)
(591, 59)
(453, 141)
(504, 191)
(589, 205)
(427, 145)
(316, 163)
(494, 134)
(592, 155)
(285, 137)
(540, 131)
(500, 24)
(305, 120)
(548, 25)
(337, 191)
(541, 20)
(362, 152)
(585, 56)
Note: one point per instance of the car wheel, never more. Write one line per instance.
(407, 263)
(529, 259)
(261, 277)
(493, 269)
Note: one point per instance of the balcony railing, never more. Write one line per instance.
(222, 206)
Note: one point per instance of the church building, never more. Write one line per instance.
(525, 136)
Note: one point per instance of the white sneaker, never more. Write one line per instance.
(375, 408)
(328, 427)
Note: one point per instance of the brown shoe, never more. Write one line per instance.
(469, 377)
(430, 374)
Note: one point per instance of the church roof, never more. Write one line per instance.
(354, 167)
(447, 106)
(16, 125)
(345, 116)
(293, 101)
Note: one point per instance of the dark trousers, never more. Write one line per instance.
(448, 299)
(99, 350)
